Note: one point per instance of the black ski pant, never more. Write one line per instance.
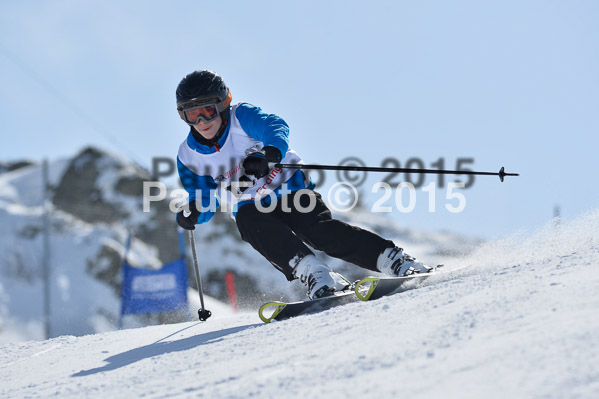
(281, 234)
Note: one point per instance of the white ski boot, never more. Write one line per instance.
(395, 262)
(318, 277)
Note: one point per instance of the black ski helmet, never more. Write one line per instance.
(203, 86)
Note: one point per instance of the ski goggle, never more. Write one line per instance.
(206, 112)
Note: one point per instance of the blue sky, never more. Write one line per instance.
(507, 83)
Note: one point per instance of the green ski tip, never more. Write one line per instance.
(365, 287)
(270, 310)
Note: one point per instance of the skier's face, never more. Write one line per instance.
(209, 129)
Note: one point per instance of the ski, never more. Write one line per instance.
(371, 288)
(367, 289)
(281, 310)
(377, 287)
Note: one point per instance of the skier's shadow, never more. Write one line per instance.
(159, 348)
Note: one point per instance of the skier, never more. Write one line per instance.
(226, 156)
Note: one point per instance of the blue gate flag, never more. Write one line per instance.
(153, 291)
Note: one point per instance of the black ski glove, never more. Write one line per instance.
(256, 163)
(188, 222)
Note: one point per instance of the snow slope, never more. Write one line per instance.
(520, 322)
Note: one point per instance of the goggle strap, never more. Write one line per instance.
(223, 105)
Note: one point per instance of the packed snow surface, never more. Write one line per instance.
(519, 321)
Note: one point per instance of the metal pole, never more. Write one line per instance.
(203, 313)
(501, 172)
(46, 248)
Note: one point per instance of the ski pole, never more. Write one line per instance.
(502, 173)
(203, 313)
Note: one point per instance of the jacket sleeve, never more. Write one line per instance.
(195, 185)
(268, 128)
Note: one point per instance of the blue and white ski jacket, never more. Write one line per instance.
(210, 174)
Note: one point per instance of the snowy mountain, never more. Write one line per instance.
(519, 322)
(96, 202)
